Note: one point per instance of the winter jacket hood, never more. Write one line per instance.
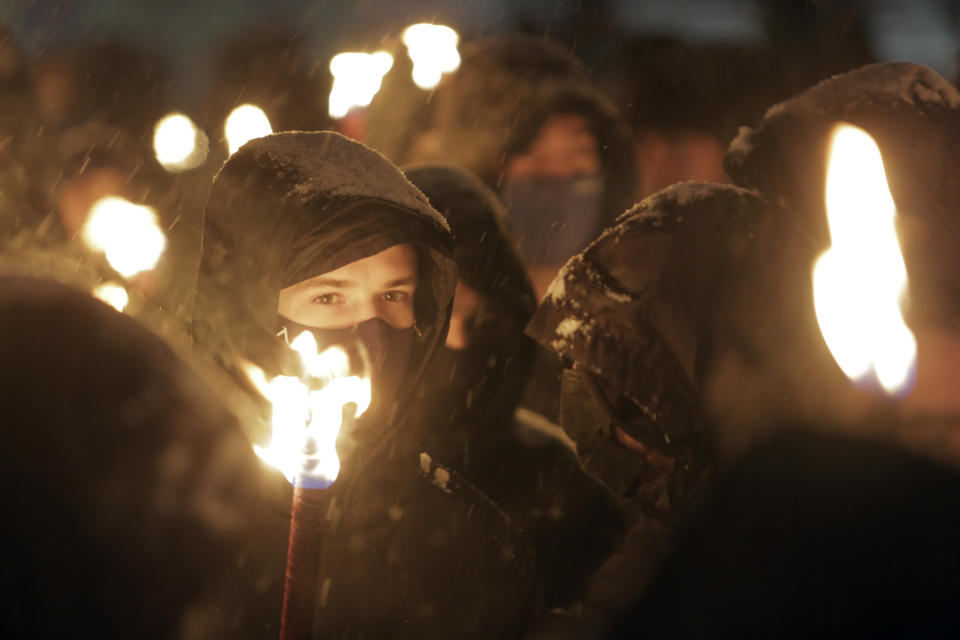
(294, 205)
(640, 311)
(914, 116)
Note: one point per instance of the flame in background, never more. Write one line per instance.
(245, 123)
(433, 50)
(307, 415)
(356, 79)
(112, 294)
(860, 280)
(128, 235)
(179, 144)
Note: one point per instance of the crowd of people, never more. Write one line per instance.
(602, 403)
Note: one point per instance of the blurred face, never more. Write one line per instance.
(564, 148)
(467, 303)
(381, 286)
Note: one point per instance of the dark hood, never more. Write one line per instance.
(472, 393)
(483, 244)
(505, 89)
(676, 259)
(294, 205)
(914, 116)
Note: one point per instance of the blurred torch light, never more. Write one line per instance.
(356, 80)
(128, 234)
(860, 280)
(307, 412)
(245, 123)
(433, 50)
(112, 294)
(179, 144)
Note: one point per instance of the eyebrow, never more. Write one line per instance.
(409, 281)
(332, 283)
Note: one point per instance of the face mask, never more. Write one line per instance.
(386, 350)
(590, 427)
(553, 217)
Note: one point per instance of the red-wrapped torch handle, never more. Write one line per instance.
(303, 562)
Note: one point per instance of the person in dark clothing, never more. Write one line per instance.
(840, 520)
(126, 482)
(296, 227)
(815, 535)
(475, 385)
(638, 315)
(520, 114)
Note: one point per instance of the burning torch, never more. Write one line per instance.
(308, 412)
(860, 280)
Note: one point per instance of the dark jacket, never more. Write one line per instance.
(412, 549)
(815, 535)
(675, 263)
(126, 487)
(569, 519)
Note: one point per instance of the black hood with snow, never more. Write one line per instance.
(914, 116)
(294, 205)
(643, 307)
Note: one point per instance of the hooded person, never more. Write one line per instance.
(314, 232)
(127, 484)
(637, 316)
(520, 113)
(477, 379)
(837, 521)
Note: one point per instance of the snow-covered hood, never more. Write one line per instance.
(681, 248)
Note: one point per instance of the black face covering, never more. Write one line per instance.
(553, 217)
(591, 427)
(375, 348)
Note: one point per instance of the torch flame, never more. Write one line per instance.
(859, 282)
(179, 144)
(245, 123)
(356, 79)
(112, 294)
(433, 50)
(306, 421)
(127, 233)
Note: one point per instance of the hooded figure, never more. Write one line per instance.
(831, 527)
(412, 548)
(914, 116)
(126, 485)
(477, 380)
(521, 114)
(638, 316)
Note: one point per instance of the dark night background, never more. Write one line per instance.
(185, 31)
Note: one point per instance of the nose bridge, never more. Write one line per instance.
(365, 310)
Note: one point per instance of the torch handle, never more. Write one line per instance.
(303, 561)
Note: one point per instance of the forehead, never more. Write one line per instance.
(396, 263)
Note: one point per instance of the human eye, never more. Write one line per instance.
(396, 296)
(328, 299)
